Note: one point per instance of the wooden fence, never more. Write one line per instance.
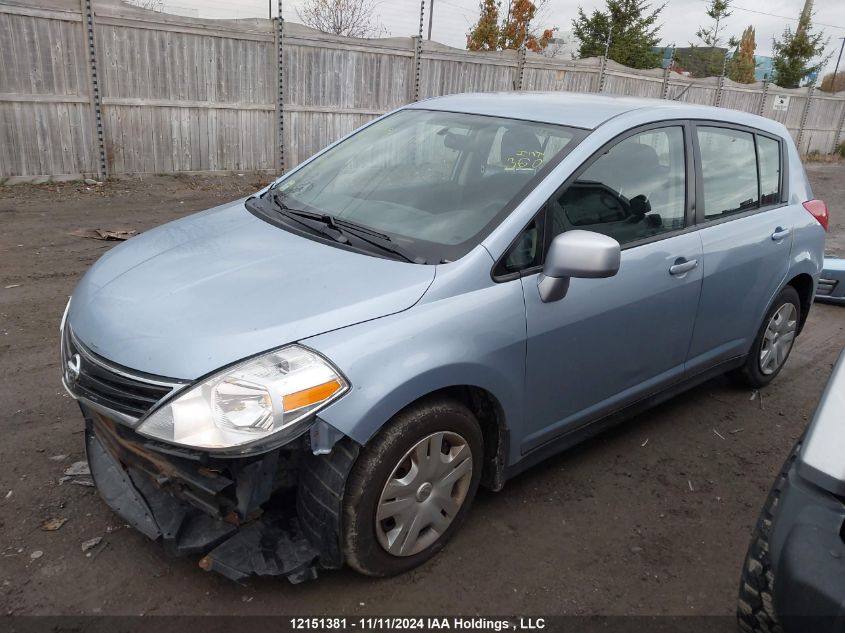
(100, 88)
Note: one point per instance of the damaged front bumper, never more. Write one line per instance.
(240, 514)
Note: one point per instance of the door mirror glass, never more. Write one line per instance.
(583, 254)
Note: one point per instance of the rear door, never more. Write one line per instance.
(746, 232)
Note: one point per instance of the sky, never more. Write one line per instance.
(453, 18)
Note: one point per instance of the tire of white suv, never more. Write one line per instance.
(411, 487)
(755, 610)
(773, 343)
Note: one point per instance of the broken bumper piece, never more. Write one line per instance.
(193, 504)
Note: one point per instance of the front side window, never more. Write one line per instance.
(728, 171)
(635, 190)
(435, 182)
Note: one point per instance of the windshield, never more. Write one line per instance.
(435, 182)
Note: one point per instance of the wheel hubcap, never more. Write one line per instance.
(778, 339)
(424, 493)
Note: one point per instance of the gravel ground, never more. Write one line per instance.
(650, 518)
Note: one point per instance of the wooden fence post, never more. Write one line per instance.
(810, 90)
(280, 93)
(96, 104)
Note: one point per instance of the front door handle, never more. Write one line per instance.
(780, 233)
(682, 266)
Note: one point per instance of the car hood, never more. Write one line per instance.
(191, 296)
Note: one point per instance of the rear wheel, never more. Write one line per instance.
(774, 341)
(411, 488)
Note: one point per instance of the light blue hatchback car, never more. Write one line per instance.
(325, 372)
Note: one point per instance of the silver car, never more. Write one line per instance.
(325, 372)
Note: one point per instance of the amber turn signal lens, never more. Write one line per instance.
(312, 395)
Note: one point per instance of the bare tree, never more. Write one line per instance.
(153, 5)
(352, 18)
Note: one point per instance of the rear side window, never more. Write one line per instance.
(768, 153)
(728, 171)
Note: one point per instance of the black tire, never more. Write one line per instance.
(750, 375)
(755, 609)
(376, 463)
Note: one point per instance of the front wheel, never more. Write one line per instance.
(411, 488)
(773, 342)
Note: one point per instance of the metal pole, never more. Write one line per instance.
(96, 104)
(666, 71)
(430, 17)
(764, 95)
(603, 66)
(805, 114)
(280, 96)
(721, 88)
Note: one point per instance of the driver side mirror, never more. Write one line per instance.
(582, 254)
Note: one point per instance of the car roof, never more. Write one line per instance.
(584, 110)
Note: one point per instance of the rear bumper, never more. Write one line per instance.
(831, 285)
(238, 513)
(808, 557)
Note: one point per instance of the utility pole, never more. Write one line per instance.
(430, 16)
(836, 70)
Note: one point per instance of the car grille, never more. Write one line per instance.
(107, 386)
(825, 287)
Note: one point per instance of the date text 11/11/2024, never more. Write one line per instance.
(418, 624)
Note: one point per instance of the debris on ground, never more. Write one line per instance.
(13, 286)
(690, 486)
(58, 458)
(51, 525)
(78, 468)
(644, 443)
(110, 235)
(92, 183)
(9, 494)
(36, 554)
(719, 434)
(78, 473)
(739, 430)
(91, 543)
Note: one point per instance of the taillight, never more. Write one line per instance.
(818, 210)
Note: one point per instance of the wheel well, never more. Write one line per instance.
(803, 285)
(490, 415)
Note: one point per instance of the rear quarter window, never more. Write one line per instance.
(768, 153)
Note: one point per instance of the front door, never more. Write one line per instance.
(611, 341)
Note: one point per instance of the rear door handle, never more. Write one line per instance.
(682, 266)
(780, 233)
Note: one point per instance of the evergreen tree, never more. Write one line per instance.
(796, 50)
(632, 28)
(708, 57)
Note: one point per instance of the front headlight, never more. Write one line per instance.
(268, 398)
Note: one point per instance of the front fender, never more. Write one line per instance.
(474, 338)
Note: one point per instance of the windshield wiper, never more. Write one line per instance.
(295, 215)
(344, 228)
(379, 240)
